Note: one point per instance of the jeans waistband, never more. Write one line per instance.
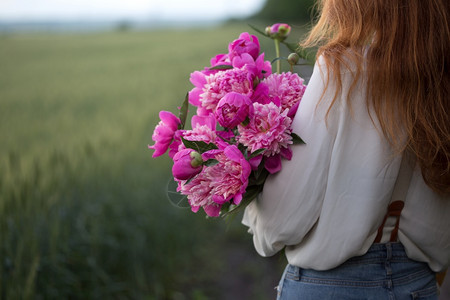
(394, 252)
(384, 265)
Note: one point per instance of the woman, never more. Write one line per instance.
(363, 209)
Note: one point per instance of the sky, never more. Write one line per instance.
(75, 10)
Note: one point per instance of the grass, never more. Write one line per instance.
(83, 210)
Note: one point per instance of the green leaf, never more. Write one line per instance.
(243, 150)
(294, 47)
(198, 146)
(221, 67)
(260, 169)
(257, 30)
(278, 58)
(257, 152)
(211, 162)
(259, 178)
(296, 139)
(232, 141)
(251, 193)
(246, 121)
(189, 180)
(226, 207)
(183, 112)
(176, 198)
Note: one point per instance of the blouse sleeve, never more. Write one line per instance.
(291, 200)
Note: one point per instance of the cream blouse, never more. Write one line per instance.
(326, 204)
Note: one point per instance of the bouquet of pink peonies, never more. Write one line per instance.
(241, 130)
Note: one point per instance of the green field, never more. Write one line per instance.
(83, 209)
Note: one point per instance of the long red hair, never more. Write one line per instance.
(404, 48)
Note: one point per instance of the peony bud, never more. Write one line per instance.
(246, 43)
(279, 31)
(196, 159)
(293, 59)
(187, 164)
(284, 30)
(233, 109)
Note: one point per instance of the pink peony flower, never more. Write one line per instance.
(208, 120)
(198, 79)
(203, 129)
(270, 128)
(231, 173)
(164, 132)
(176, 144)
(225, 135)
(258, 68)
(273, 163)
(255, 162)
(293, 110)
(220, 183)
(285, 88)
(199, 192)
(261, 94)
(220, 59)
(233, 109)
(223, 82)
(264, 67)
(246, 43)
(187, 164)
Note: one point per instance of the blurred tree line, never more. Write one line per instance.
(286, 11)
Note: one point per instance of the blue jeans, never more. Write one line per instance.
(384, 272)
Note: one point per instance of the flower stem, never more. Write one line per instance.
(277, 52)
